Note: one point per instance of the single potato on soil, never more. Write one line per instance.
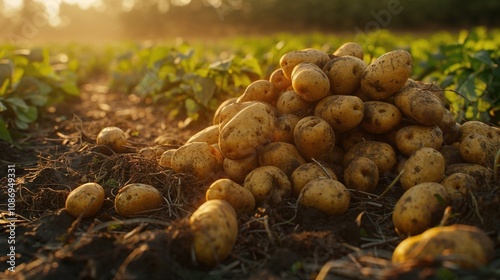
(136, 199)
(85, 200)
(327, 195)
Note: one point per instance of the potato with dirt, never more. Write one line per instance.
(215, 229)
(209, 135)
(342, 112)
(197, 158)
(290, 102)
(260, 90)
(247, 131)
(314, 138)
(112, 137)
(344, 74)
(477, 127)
(466, 246)
(382, 154)
(458, 186)
(479, 149)
(268, 184)
(481, 174)
(289, 60)
(279, 80)
(425, 165)
(166, 158)
(216, 119)
(386, 75)
(350, 48)
(361, 174)
(238, 169)
(86, 200)
(380, 117)
(239, 197)
(283, 155)
(327, 195)
(420, 105)
(308, 172)
(420, 208)
(413, 137)
(285, 126)
(310, 82)
(137, 199)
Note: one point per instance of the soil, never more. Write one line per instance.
(278, 242)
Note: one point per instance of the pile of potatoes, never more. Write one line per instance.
(324, 125)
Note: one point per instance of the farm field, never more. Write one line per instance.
(55, 99)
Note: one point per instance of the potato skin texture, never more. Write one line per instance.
(279, 80)
(268, 183)
(209, 135)
(197, 158)
(382, 154)
(285, 125)
(413, 137)
(380, 117)
(283, 155)
(342, 112)
(308, 172)
(216, 117)
(289, 60)
(135, 199)
(260, 90)
(459, 185)
(419, 208)
(88, 198)
(425, 165)
(239, 197)
(310, 82)
(361, 174)
(113, 137)
(248, 130)
(290, 102)
(327, 195)
(386, 75)
(238, 169)
(479, 149)
(465, 241)
(215, 229)
(166, 158)
(314, 138)
(345, 74)
(350, 48)
(420, 105)
(481, 174)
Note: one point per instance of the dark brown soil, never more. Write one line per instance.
(279, 242)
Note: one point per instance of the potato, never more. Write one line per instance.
(285, 125)
(282, 155)
(354, 136)
(238, 169)
(85, 200)
(209, 135)
(239, 197)
(344, 74)
(342, 112)
(260, 90)
(279, 80)
(436, 90)
(382, 154)
(314, 138)
(248, 130)
(327, 195)
(308, 172)
(479, 149)
(420, 105)
(197, 158)
(289, 60)
(425, 165)
(217, 115)
(386, 75)
(451, 154)
(228, 112)
(413, 137)
(310, 82)
(361, 174)
(477, 127)
(290, 102)
(380, 117)
(419, 208)
(467, 246)
(481, 174)
(112, 137)
(136, 199)
(458, 185)
(215, 230)
(350, 48)
(148, 152)
(166, 158)
(268, 183)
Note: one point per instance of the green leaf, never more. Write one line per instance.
(192, 108)
(17, 103)
(4, 131)
(206, 91)
(28, 116)
(484, 57)
(2, 106)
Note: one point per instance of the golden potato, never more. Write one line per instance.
(279, 80)
(248, 130)
(420, 105)
(350, 48)
(361, 174)
(481, 174)
(382, 154)
(112, 137)
(344, 73)
(209, 135)
(413, 137)
(354, 136)
(166, 158)
(386, 75)
(308, 172)
(467, 246)
(289, 60)
(327, 195)
(268, 183)
(477, 127)
(239, 197)
(425, 165)
(290, 102)
(227, 112)
(310, 82)
(215, 229)
(217, 118)
(419, 208)
(136, 199)
(314, 138)
(342, 112)
(451, 154)
(458, 185)
(260, 90)
(85, 200)
(238, 169)
(380, 117)
(282, 155)
(479, 149)
(197, 158)
(285, 125)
